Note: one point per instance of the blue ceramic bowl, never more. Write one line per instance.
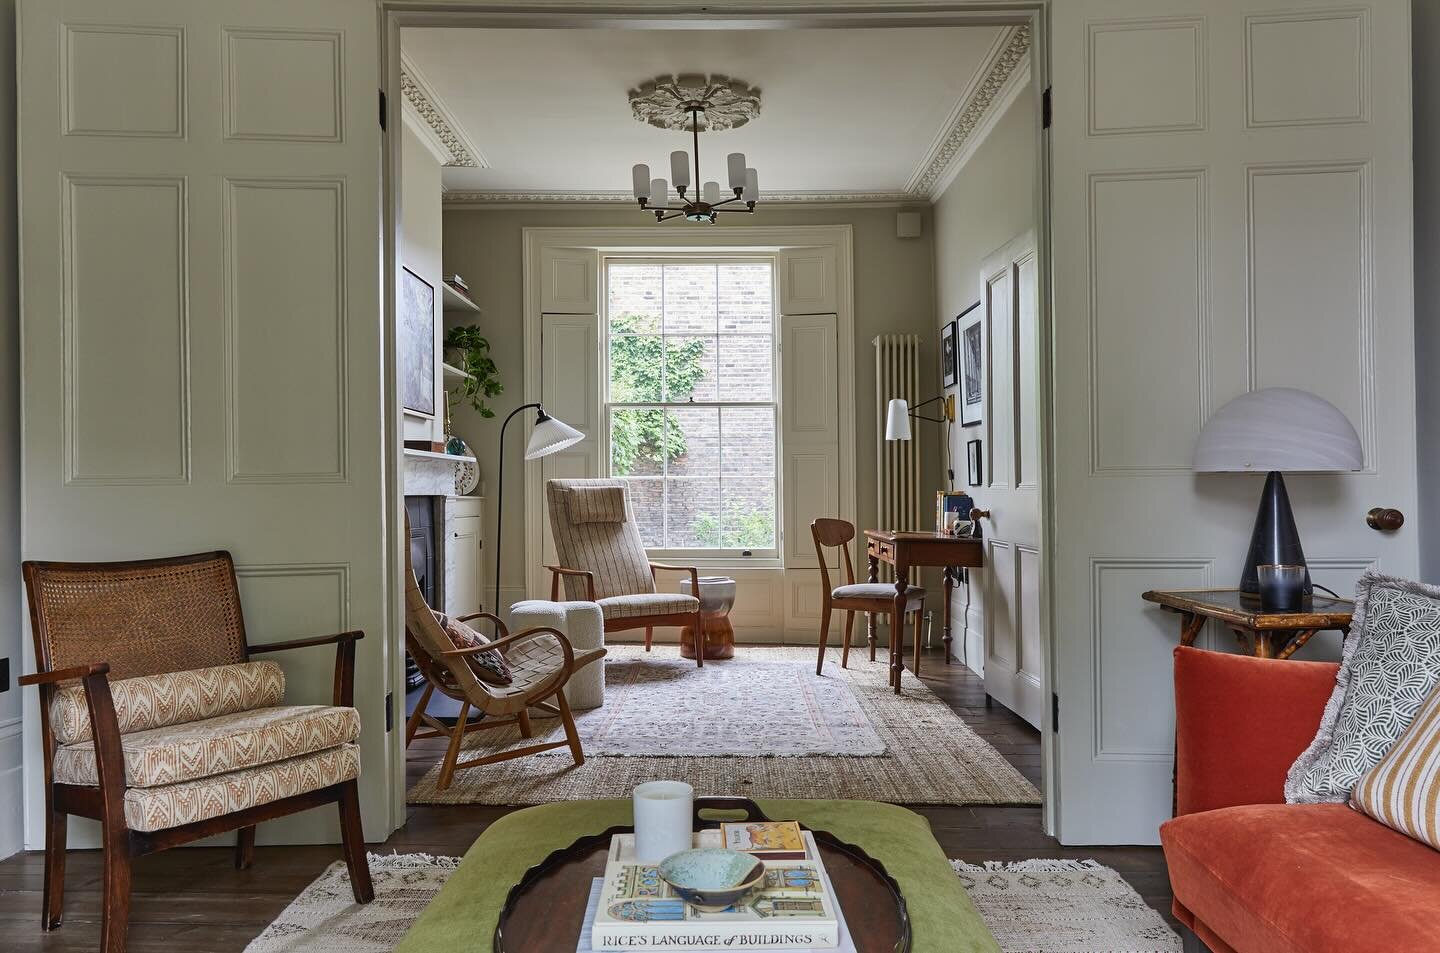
(712, 878)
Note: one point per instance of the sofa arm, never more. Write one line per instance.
(1240, 722)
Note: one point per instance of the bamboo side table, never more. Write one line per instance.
(1275, 635)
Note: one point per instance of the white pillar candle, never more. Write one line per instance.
(663, 819)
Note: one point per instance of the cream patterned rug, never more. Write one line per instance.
(1036, 906)
(1064, 906)
(929, 755)
(752, 706)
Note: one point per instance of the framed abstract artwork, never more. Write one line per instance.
(974, 463)
(971, 345)
(415, 370)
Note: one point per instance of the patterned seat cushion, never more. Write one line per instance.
(872, 590)
(213, 746)
(154, 701)
(156, 809)
(647, 603)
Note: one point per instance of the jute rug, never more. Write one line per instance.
(754, 706)
(1036, 906)
(1064, 906)
(930, 756)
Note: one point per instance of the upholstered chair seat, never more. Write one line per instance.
(647, 603)
(874, 590)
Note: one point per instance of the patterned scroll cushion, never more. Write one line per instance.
(649, 603)
(199, 749)
(488, 666)
(156, 809)
(154, 701)
(612, 551)
(1390, 664)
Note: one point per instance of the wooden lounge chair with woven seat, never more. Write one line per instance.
(876, 598)
(603, 560)
(541, 660)
(158, 721)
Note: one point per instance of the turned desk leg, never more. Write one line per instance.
(897, 625)
(946, 637)
(874, 576)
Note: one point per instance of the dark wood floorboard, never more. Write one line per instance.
(192, 900)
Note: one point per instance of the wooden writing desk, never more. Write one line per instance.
(907, 550)
(1263, 634)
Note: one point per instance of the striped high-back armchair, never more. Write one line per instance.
(603, 560)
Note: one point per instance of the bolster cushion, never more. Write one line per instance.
(154, 701)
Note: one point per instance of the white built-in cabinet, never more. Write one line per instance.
(464, 590)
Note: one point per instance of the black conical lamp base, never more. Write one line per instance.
(1275, 541)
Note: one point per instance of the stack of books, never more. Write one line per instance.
(793, 909)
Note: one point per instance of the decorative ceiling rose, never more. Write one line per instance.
(695, 104)
(678, 102)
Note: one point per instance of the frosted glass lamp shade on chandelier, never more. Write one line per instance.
(1267, 431)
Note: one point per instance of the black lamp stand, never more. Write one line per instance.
(1275, 540)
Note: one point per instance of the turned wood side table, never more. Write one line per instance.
(1263, 634)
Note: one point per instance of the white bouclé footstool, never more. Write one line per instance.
(584, 625)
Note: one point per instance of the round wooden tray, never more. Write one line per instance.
(546, 909)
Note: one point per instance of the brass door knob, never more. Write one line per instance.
(979, 514)
(1384, 519)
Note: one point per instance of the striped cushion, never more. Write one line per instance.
(1403, 790)
(649, 603)
(612, 551)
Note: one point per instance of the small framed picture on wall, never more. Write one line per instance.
(972, 366)
(947, 355)
(973, 463)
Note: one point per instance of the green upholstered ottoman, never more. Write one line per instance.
(463, 915)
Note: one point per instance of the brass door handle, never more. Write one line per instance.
(979, 514)
(1385, 519)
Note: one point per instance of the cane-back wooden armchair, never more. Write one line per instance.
(603, 560)
(159, 721)
(540, 661)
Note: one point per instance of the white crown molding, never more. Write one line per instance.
(974, 113)
(472, 199)
(435, 124)
(998, 85)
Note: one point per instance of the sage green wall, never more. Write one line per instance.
(11, 604)
(894, 293)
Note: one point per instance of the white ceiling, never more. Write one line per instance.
(853, 111)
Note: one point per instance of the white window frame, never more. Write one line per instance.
(769, 556)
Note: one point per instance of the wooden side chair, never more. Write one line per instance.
(541, 660)
(158, 721)
(876, 598)
(603, 560)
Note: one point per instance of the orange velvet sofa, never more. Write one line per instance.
(1252, 874)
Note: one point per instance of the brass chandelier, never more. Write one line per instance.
(694, 103)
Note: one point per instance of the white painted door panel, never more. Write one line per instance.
(1010, 589)
(202, 363)
(570, 390)
(1231, 210)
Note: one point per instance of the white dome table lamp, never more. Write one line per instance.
(1267, 431)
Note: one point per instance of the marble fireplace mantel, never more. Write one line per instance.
(431, 474)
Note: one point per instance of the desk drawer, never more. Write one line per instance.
(885, 552)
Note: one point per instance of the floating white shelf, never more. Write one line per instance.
(450, 370)
(432, 455)
(456, 300)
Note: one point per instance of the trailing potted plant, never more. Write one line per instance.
(470, 352)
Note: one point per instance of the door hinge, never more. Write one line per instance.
(389, 712)
(1047, 109)
(1055, 712)
(385, 112)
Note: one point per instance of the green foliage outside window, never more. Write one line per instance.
(640, 436)
(746, 527)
